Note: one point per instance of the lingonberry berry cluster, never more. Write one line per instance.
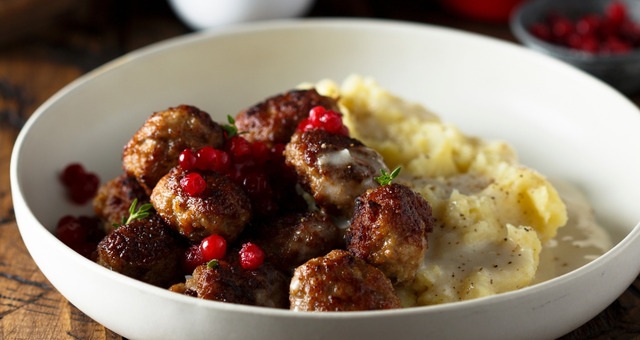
(81, 185)
(241, 161)
(214, 247)
(608, 33)
(321, 118)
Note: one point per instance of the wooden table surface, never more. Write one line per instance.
(43, 47)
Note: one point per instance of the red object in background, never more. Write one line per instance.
(484, 10)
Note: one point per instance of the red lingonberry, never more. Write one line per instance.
(306, 125)
(222, 162)
(574, 41)
(588, 25)
(332, 122)
(204, 157)
(260, 153)
(70, 231)
(81, 234)
(316, 112)
(193, 184)
(239, 148)
(541, 31)
(321, 118)
(84, 188)
(251, 256)
(213, 247)
(192, 258)
(561, 28)
(187, 159)
(81, 185)
(616, 12)
(615, 45)
(71, 172)
(209, 158)
(590, 44)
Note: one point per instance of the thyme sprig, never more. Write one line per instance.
(385, 178)
(134, 214)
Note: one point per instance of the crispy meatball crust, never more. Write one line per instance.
(154, 148)
(146, 250)
(227, 281)
(334, 168)
(276, 119)
(114, 198)
(340, 281)
(293, 239)
(389, 230)
(223, 208)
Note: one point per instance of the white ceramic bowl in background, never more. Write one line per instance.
(563, 122)
(205, 14)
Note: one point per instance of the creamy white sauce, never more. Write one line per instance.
(579, 242)
(336, 158)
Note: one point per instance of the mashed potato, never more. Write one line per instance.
(492, 214)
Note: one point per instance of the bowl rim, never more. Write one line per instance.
(160, 46)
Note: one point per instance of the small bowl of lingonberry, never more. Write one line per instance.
(601, 37)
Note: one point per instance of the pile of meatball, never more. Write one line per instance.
(334, 239)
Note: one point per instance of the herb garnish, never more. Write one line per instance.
(230, 128)
(142, 212)
(385, 178)
(213, 264)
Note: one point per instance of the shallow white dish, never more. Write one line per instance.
(563, 122)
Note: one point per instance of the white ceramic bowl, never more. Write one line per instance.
(206, 14)
(564, 123)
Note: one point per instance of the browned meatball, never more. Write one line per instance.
(154, 148)
(340, 281)
(334, 168)
(146, 250)
(276, 119)
(389, 230)
(223, 208)
(293, 239)
(114, 198)
(226, 281)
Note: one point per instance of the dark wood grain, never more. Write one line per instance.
(38, 60)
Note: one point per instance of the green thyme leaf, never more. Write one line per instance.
(385, 178)
(142, 212)
(213, 264)
(230, 128)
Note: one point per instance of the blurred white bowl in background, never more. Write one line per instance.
(203, 14)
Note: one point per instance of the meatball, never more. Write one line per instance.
(146, 250)
(154, 148)
(114, 198)
(389, 230)
(293, 239)
(226, 281)
(334, 168)
(223, 208)
(340, 281)
(274, 120)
